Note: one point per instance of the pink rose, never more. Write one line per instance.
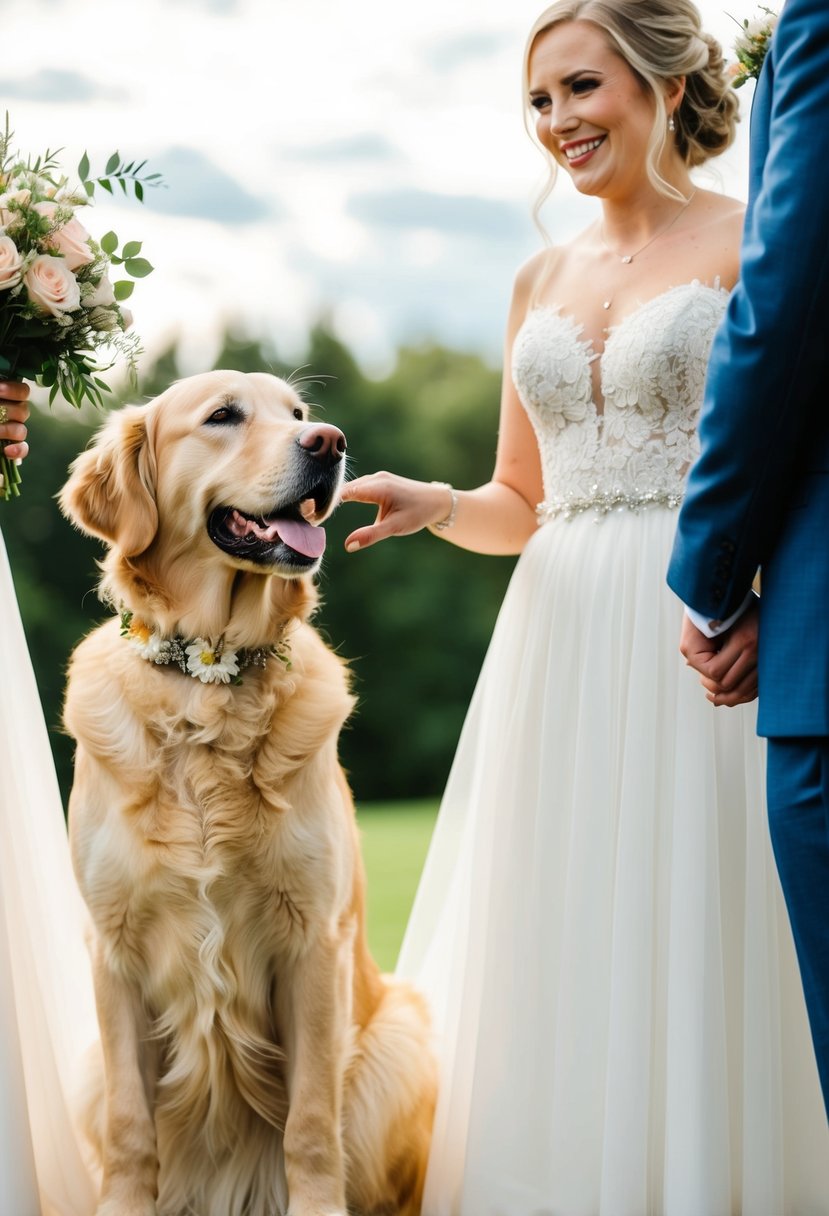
(51, 285)
(71, 239)
(10, 263)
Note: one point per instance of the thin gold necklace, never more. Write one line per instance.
(627, 258)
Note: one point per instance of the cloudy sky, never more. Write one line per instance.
(363, 161)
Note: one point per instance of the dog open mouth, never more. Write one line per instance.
(283, 537)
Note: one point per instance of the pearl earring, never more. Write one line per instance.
(671, 123)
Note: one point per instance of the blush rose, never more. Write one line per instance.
(51, 285)
(10, 263)
(71, 239)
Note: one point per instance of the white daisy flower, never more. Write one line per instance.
(148, 642)
(210, 667)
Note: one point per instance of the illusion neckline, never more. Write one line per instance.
(579, 326)
(588, 345)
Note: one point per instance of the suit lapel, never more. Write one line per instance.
(760, 126)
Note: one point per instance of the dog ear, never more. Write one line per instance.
(111, 488)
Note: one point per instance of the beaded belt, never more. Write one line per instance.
(603, 502)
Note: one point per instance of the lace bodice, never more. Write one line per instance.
(637, 447)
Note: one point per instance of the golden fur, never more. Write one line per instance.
(249, 1042)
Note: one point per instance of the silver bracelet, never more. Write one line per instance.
(449, 520)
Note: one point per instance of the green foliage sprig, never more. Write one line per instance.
(118, 173)
(58, 305)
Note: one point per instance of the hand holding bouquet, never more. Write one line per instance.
(58, 304)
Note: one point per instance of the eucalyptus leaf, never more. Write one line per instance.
(83, 168)
(113, 163)
(131, 249)
(109, 243)
(123, 289)
(139, 268)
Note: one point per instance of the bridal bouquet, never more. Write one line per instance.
(752, 46)
(58, 303)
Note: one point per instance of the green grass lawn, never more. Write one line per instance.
(395, 839)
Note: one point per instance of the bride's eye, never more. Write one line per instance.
(540, 102)
(585, 85)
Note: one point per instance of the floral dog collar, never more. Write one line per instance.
(197, 657)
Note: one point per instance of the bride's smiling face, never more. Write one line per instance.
(593, 113)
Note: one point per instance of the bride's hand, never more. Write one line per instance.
(14, 411)
(403, 506)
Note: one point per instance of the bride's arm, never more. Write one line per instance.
(14, 411)
(496, 518)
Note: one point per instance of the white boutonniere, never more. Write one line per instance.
(752, 47)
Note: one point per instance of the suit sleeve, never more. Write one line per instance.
(769, 357)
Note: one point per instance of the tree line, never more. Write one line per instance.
(412, 616)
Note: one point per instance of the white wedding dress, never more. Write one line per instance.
(47, 1014)
(599, 926)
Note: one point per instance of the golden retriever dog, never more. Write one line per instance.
(255, 1062)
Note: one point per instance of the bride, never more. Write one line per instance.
(599, 925)
(47, 1015)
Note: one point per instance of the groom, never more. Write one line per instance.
(759, 493)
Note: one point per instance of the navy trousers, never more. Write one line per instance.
(798, 800)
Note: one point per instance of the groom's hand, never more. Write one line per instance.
(698, 650)
(727, 664)
(732, 676)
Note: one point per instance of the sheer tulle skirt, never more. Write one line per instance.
(599, 925)
(47, 1015)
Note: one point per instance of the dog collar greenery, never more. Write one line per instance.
(197, 657)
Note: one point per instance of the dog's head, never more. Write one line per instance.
(222, 463)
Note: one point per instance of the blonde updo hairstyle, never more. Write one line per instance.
(660, 40)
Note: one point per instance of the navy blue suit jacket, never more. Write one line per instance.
(759, 494)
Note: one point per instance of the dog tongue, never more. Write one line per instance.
(298, 535)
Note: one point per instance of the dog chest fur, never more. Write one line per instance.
(220, 824)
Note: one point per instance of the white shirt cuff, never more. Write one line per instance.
(713, 629)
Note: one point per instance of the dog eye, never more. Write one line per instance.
(224, 414)
(298, 414)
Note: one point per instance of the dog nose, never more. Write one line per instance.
(324, 442)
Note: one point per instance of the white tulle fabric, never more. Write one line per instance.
(599, 926)
(47, 1014)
